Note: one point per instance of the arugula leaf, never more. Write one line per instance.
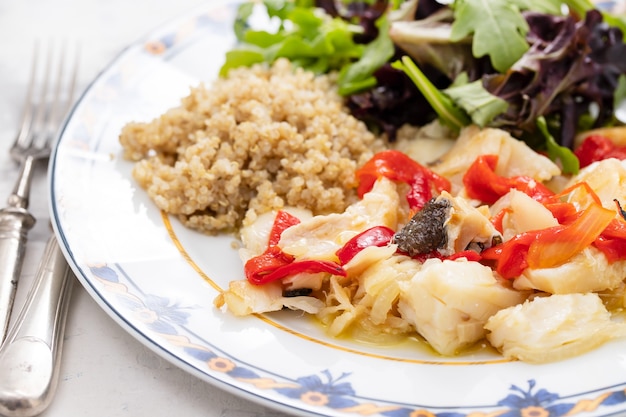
(480, 105)
(444, 106)
(569, 161)
(498, 30)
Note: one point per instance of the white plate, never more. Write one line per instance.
(158, 279)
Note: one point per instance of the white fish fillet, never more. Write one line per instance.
(449, 302)
(552, 328)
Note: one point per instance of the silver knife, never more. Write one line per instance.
(30, 355)
(14, 226)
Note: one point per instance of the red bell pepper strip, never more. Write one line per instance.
(532, 188)
(270, 260)
(563, 212)
(596, 148)
(374, 236)
(499, 218)
(399, 167)
(549, 247)
(510, 256)
(555, 245)
(307, 265)
(613, 249)
(612, 241)
(274, 264)
(566, 212)
(470, 255)
(282, 221)
(482, 183)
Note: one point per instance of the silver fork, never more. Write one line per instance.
(43, 111)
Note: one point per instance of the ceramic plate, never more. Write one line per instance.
(159, 280)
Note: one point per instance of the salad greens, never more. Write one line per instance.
(449, 113)
(306, 36)
(499, 29)
(542, 69)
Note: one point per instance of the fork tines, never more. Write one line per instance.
(49, 96)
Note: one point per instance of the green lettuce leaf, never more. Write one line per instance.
(359, 75)
(478, 103)
(305, 36)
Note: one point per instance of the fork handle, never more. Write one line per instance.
(14, 226)
(30, 356)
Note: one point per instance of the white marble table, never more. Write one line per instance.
(104, 371)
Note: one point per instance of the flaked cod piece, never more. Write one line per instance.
(553, 328)
(449, 302)
(522, 214)
(587, 271)
(514, 157)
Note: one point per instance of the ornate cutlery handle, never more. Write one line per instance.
(30, 355)
(15, 222)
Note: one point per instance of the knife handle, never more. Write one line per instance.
(14, 226)
(30, 355)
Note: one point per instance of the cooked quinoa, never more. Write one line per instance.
(260, 139)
